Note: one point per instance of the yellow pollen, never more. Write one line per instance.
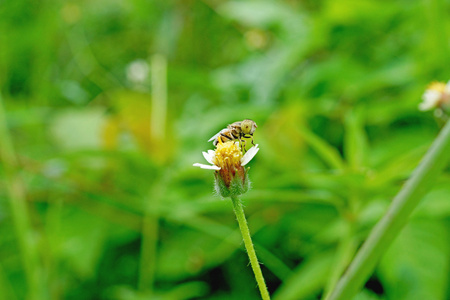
(437, 86)
(227, 154)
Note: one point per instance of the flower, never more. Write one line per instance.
(138, 71)
(228, 161)
(437, 95)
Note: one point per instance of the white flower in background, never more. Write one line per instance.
(228, 161)
(437, 95)
(137, 71)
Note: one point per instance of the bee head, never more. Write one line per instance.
(248, 126)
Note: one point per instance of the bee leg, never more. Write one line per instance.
(250, 136)
(243, 145)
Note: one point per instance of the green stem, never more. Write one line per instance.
(150, 233)
(159, 96)
(395, 218)
(150, 226)
(239, 211)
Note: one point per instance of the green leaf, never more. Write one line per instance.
(355, 145)
(308, 279)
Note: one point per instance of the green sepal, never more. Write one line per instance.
(237, 185)
(220, 186)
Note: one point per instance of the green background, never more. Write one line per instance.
(98, 196)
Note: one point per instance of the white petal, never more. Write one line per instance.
(208, 157)
(212, 153)
(248, 156)
(430, 100)
(206, 166)
(431, 96)
(447, 87)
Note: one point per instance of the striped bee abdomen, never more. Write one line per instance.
(226, 135)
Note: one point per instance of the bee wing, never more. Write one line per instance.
(215, 136)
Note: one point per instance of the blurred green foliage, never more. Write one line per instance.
(115, 209)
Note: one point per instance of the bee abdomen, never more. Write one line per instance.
(226, 136)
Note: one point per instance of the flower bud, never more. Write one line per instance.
(232, 179)
(228, 161)
(231, 183)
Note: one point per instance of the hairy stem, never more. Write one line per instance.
(239, 211)
(395, 218)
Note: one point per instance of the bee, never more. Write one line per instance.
(236, 131)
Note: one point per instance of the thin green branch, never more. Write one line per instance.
(239, 211)
(150, 235)
(395, 218)
(159, 96)
(150, 226)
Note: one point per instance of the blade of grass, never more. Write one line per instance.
(395, 218)
(307, 279)
(344, 253)
(328, 153)
(355, 142)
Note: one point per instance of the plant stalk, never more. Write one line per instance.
(239, 211)
(150, 225)
(395, 218)
(150, 235)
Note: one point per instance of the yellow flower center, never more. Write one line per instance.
(227, 154)
(437, 86)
